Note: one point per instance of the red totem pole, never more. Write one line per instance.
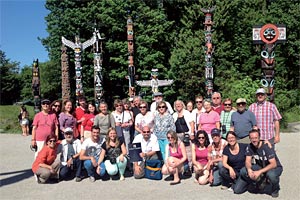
(209, 50)
(268, 35)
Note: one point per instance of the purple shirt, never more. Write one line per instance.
(66, 121)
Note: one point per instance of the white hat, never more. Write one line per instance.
(260, 91)
(68, 130)
(241, 100)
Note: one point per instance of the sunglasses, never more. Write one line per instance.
(216, 98)
(227, 104)
(198, 101)
(241, 104)
(146, 131)
(52, 141)
(170, 138)
(56, 106)
(201, 138)
(46, 103)
(260, 94)
(142, 106)
(161, 106)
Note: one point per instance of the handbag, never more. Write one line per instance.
(153, 169)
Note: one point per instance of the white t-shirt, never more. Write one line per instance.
(92, 148)
(147, 146)
(144, 120)
(119, 117)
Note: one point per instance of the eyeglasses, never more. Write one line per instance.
(227, 104)
(198, 101)
(56, 106)
(241, 104)
(146, 131)
(216, 98)
(161, 106)
(142, 106)
(201, 138)
(52, 141)
(170, 138)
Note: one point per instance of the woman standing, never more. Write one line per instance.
(67, 119)
(24, 120)
(225, 117)
(104, 120)
(200, 157)
(114, 150)
(88, 122)
(45, 165)
(190, 106)
(176, 158)
(209, 120)
(144, 118)
(55, 107)
(233, 161)
(163, 122)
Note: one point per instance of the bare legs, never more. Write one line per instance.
(173, 166)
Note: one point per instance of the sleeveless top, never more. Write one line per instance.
(202, 156)
(177, 154)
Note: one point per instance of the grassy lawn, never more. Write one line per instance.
(9, 118)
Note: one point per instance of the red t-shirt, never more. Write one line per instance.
(79, 112)
(46, 156)
(88, 122)
(219, 109)
(45, 125)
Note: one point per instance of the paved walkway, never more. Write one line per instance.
(17, 180)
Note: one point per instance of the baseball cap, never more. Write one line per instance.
(45, 101)
(260, 91)
(157, 94)
(241, 100)
(68, 130)
(215, 132)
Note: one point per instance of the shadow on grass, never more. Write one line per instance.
(18, 176)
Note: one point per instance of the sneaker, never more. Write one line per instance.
(275, 194)
(122, 178)
(223, 187)
(230, 189)
(92, 179)
(77, 179)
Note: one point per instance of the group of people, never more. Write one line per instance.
(222, 144)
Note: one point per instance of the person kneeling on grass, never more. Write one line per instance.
(114, 150)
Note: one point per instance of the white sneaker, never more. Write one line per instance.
(122, 178)
(230, 189)
(92, 179)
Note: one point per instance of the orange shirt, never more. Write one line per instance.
(46, 156)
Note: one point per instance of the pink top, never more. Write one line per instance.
(208, 120)
(45, 125)
(202, 156)
(88, 122)
(178, 154)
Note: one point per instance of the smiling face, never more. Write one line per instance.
(143, 108)
(199, 102)
(68, 106)
(146, 133)
(190, 106)
(254, 138)
(91, 108)
(103, 108)
(231, 139)
(162, 108)
(95, 134)
(216, 99)
(227, 106)
(260, 97)
(207, 106)
(112, 135)
(178, 106)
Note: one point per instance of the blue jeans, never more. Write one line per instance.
(216, 173)
(244, 180)
(65, 171)
(225, 176)
(91, 170)
(162, 147)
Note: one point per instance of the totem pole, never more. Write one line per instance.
(268, 35)
(209, 50)
(131, 68)
(36, 90)
(78, 47)
(98, 59)
(65, 83)
(154, 83)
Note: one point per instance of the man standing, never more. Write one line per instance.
(198, 110)
(90, 152)
(217, 102)
(242, 121)
(70, 148)
(262, 165)
(267, 117)
(158, 97)
(150, 147)
(79, 112)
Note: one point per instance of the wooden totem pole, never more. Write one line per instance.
(36, 89)
(98, 59)
(131, 68)
(77, 46)
(209, 50)
(65, 81)
(269, 35)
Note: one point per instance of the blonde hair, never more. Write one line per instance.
(117, 142)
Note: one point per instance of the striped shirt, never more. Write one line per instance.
(266, 114)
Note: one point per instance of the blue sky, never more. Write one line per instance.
(22, 22)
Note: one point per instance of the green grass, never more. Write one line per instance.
(9, 118)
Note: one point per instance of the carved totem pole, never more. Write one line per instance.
(36, 90)
(154, 83)
(78, 47)
(65, 81)
(268, 35)
(209, 50)
(98, 59)
(131, 68)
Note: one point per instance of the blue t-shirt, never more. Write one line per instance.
(243, 123)
(237, 161)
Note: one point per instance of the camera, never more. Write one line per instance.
(224, 129)
(186, 139)
(113, 160)
(33, 148)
